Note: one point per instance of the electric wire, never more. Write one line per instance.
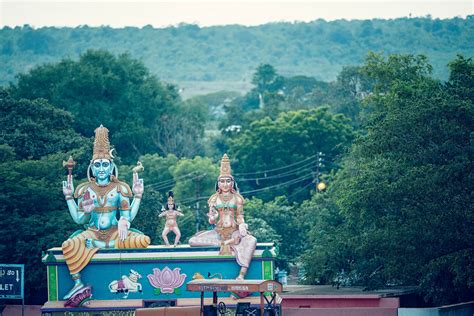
(171, 184)
(193, 200)
(275, 169)
(168, 182)
(293, 181)
(299, 190)
(281, 175)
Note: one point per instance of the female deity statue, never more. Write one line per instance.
(171, 214)
(98, 202)
(226, 211)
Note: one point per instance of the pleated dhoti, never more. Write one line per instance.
(77, 255)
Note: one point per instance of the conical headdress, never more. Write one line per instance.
(170, 197)
(101, 144)
(225, 167)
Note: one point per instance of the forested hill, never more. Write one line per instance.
(231, 53)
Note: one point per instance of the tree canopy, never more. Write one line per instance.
(120, 93)
(399, 210)
(187, 53)
(393, 143)
(293, 139)
(36, 137)
(33, 129)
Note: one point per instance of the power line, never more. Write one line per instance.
(299, 190)
(305, 167)
(281, 175)
(290, 182)
(275, 169)
(170, 182)
(160, 188)
(193, 200)
(165, 182)
(173, 179)
(306, 177)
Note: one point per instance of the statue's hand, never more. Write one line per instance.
(243, 229)
(88, 206)
(90, 243)
(137, 185)
(212, 215)
(87, 203)
(68, 186)
(123, 226)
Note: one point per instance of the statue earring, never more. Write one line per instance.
(115, 171)
(89, 173)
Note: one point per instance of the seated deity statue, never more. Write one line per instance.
(171, 212)
(226, 212)
(99, 201)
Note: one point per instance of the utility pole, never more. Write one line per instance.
(198, 197)
(197, 216)
(320, 186)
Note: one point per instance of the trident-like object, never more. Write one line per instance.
(69, 164)
(138, 168)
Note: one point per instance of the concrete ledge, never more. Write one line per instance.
(15, 310)
(340, 311)
(339, 301)
(169, 311)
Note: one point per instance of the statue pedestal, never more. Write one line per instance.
(154, 275)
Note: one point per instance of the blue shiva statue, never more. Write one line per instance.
(99, 201)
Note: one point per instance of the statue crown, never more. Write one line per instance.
(170, 197)
(225, 170)
(101, 144)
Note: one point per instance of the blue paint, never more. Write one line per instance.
(100, 274)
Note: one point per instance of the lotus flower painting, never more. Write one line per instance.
(166, 280)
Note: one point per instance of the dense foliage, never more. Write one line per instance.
(143, 114)
(35, 139)
(396, 153)
(292, 139)
(400, 210)
(187, 52)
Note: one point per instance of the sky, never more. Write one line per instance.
(162, 13)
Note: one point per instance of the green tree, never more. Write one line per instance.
(298, 89)
(36, 138)
(400, 209)
(156, 173)
(27, 226)
(345, 95)
(195, 181)
(329, 258)
(226, 54)
(294, 139)
(147, 220)
(34, 129)
(277, 221)
(266, 79)
(180, 132)
(100, 88)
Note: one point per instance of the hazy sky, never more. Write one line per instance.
(205, 13)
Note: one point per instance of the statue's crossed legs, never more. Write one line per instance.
(78, 255)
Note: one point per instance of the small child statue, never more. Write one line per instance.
(171, 213)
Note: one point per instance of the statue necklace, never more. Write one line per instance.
(226, 198)
(102, 191)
